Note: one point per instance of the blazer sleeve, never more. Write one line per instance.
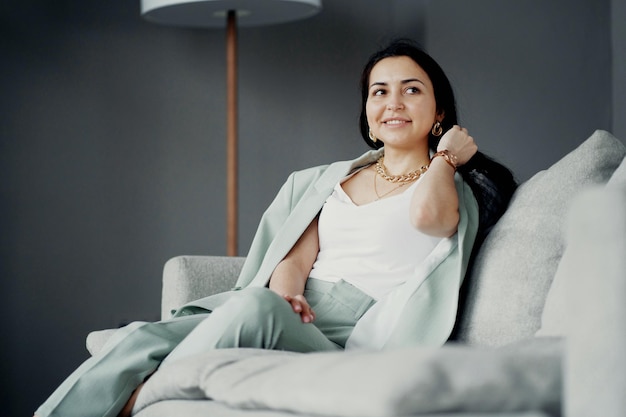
(293, 191)
(271, 222)
(429, 316)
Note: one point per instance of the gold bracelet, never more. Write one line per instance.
(451, 159)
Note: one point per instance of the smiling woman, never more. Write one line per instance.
(401, 112)
(401, 102)
(346, 254)
(423, 96)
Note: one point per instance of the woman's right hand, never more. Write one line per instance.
(458, 141)
(300, 305)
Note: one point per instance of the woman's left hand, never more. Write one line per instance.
(301, 306)
(459, 143)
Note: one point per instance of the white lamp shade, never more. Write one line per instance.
(212, 13)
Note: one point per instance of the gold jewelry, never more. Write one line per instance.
(372, 136)
(451, 159)
(411, 176)
(437, 130)
(388, 192)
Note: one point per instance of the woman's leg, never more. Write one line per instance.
(260, 318)
(338, 307)
(256, 317)
(102, 385)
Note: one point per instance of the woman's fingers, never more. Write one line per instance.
(458, 141)
(300, 305)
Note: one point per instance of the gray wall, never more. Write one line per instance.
(112, 137)
(533, 78)
(618, 32)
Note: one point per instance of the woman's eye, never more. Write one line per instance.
(412, 90)
(378, 92)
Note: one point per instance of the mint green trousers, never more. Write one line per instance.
(251, 318)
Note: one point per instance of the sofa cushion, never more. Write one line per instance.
(404, 382)
(554, 318)
(512, 273)
(619, 176)
(595, 364)
(213, 408)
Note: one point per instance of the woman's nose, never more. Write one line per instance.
(394, 102)
(395, 105)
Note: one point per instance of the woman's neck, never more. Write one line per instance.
(401, 162)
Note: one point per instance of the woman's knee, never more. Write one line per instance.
(255, 317)
(258, 302)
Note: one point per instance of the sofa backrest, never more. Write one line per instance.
(504, 292)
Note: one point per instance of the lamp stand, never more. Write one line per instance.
(231, 135)
(210, 13)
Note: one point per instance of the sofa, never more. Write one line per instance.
(541, 328)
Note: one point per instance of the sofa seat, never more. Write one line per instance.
(211, 408)
(206, 408)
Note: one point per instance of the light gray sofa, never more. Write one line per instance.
(541, 329)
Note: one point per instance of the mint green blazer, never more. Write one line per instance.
(427, 315)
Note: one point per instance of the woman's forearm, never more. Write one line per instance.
(289, 277)
(435, 205)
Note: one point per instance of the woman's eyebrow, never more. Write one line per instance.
(408, 80)
(378, 84)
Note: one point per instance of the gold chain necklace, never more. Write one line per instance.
(388, 192)
(403, 179)
(411, 176)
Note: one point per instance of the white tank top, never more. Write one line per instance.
(372, 246)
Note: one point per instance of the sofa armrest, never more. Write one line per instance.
(185, 278)
(97, 339)
(188, 278)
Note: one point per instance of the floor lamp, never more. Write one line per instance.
(229, 13)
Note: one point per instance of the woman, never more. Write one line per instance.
(348, 255)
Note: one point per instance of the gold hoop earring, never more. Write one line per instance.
(372, 137)
(437, 130)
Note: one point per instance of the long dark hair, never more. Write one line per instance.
(492, 183)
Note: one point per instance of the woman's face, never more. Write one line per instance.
(400, 107)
